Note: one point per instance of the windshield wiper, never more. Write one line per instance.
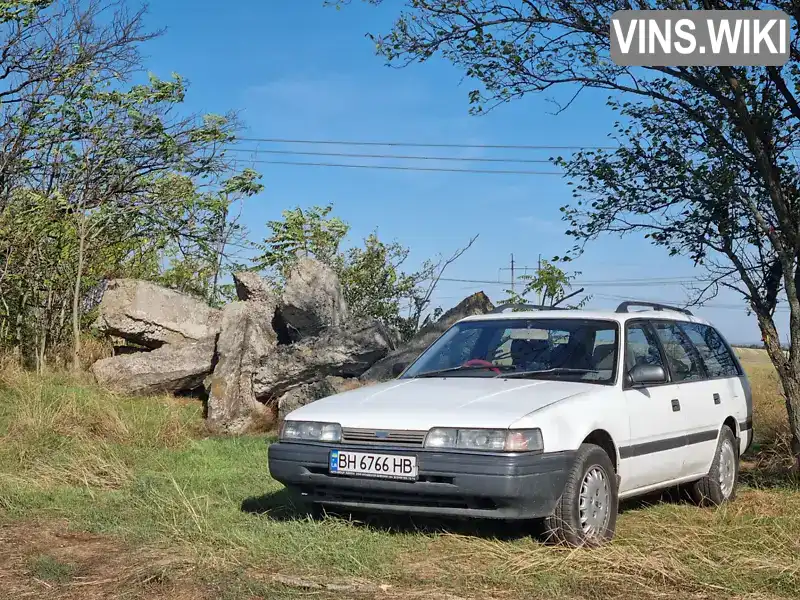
(553, 371)
(463, 368)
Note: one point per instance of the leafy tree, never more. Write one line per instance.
(713, 148)
(374, 286)
(98, 178)
(550, 285)
(373, 282)
(211, 235)
(309, 232)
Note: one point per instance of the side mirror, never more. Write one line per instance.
(398, 368)
(647, 374)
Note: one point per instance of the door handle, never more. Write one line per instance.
(676, 405)
(716, 399)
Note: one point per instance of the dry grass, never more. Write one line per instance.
(110, 497)
(771, 449)
(56, 432)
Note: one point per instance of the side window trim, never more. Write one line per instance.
(692, 349)
(647, 326)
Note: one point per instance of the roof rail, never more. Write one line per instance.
(623, 307)
(502, 307)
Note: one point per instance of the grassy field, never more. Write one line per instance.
(107, 497)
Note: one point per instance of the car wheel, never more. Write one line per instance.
(720, 484)
(586, 513)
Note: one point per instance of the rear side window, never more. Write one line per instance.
(715, 354)
(684, 362)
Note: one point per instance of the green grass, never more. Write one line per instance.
(141, 473)
(47, 568)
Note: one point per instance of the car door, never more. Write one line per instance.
(721, 395)
(654, 453)
(697, 397)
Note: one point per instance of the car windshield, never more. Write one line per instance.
(562, 349)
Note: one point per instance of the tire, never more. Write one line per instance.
(592, 473)
(719, 486)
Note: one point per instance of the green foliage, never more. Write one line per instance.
(206, 251)
(302, 233)
(550, 285)
(374, 284)
(100, 178)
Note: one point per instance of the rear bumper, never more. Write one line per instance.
(465, 484)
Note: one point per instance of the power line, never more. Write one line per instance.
(424, 144)
(392, 156)
(400, 168)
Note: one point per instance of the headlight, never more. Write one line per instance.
(497, 440)
(311, 431)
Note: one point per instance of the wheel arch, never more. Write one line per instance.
(733, 424)
(601, 437)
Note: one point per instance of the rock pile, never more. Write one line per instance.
(260, 357)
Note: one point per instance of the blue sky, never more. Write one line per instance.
(299, 70)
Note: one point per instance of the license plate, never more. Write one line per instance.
(366, 464)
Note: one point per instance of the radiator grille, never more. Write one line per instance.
(394, 437)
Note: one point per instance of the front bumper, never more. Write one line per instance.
(465, 484)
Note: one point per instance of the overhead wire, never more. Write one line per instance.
(392, 156)
(401, 168)
(420, 144)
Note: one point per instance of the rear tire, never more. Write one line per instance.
(719, 485)
(586, 513)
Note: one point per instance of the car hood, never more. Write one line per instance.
(439, 402)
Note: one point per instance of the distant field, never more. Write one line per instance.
(106, 497)
(752, 355)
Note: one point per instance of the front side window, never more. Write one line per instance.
(684, 362)
(716, 357)
(641, 347)
(564, 349)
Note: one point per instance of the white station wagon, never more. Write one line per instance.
(553, 415)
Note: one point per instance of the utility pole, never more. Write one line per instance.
(539, 274)
(512, 273)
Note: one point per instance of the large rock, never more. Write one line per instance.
(251, 286)
(246, 339)
(312, 299)
(165, 370)
(150, 315)
(310, 392)
(345, 352)
(476, 304)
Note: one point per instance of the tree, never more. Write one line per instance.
(212, 237)
(551, 285)
(301, 233)
(98, 178)
(373, 282)
(726, 137)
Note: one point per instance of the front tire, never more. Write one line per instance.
(719, 485)
(586, 513)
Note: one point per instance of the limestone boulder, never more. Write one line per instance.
(150, 315)
(245, 341)
(251, 286)
(343, 352)
(307, 393)
(312, 299)
(167, 369)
